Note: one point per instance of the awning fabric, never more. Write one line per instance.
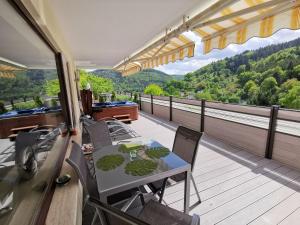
(7, 70)
(246, 19)
(7, 75)
(129, 68)
(175, 49)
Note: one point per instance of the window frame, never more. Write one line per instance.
(39, 217)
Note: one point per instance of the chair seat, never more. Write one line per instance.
(158, 214)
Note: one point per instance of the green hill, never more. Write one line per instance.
(136, 82)
(264, 77)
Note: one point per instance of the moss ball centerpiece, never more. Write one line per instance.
(127, 148)
(140, 167)
(157, 152)
(110, 162)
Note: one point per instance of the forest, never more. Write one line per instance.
(254, 77)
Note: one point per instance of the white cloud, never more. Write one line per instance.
(200, 60)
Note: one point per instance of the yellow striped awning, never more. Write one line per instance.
(246, 19)
(129, 68)
(7, 71)
(174, 49)
(7, 75)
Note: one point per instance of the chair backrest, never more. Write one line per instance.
(186, 144)
(114, 216)
(24, 140)
(86, 121)
(79, 164)
(99, 134)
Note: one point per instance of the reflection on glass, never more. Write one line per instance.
(31, 118)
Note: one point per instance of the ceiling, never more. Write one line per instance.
(19, 44)
(101, 33)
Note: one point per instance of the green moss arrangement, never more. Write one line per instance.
(140, 167)
(157, 152)
(110, 162)
(126, 148)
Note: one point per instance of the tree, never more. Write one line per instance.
(277, 73)
(153, 89)
(296, 72)
(289, 96)
(52, 87)
(98, 84)
(244, 77)
(253, 95)
(2, 108)
(204, 95)
(291, 99)
(268, 93)
(250, 85)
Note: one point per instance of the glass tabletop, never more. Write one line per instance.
(123, 166)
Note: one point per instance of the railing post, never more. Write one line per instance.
(151, 104)
(271, 131)
(140, 101)
(202, 115)
(171, 111)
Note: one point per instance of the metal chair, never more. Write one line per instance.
(99, 134)
(185, 146)
(79, 164)
(117, 130)
(149, 212)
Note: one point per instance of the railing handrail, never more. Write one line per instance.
(269, 123)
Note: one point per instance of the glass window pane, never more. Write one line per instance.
(31, 119)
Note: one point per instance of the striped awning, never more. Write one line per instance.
(174, 49)
(8, 68)
(246, 19)
(8, 71)
(7, 75)
(129, 68)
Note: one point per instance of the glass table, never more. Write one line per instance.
(116, 180)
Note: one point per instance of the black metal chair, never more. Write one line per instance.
(99, 134)
(148, 212)
(185, 146)
(117, 130)
(79, 164)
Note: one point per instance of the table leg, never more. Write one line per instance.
(187, 191)
(103, 199)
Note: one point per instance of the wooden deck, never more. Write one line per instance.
(236, 187)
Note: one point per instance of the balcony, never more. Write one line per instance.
(236, 186)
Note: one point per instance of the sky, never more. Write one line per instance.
(200, 60)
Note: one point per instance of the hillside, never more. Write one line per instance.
(137, 82)
(264, 77)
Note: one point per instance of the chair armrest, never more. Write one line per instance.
(195, 220)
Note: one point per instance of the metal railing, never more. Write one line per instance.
(263, 118)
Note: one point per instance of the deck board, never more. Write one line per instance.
(236, 187)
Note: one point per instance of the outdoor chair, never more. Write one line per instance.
(117, 130)
(99, 134)
(25, 154)
(185, 146)
(80, 166)
(148, 212)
